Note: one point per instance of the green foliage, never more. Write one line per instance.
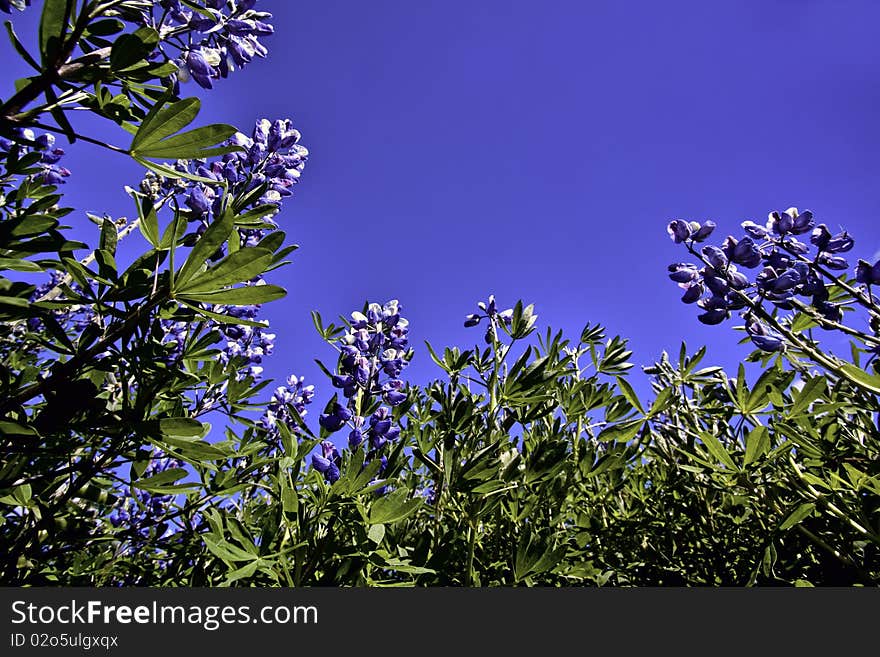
(531, 460)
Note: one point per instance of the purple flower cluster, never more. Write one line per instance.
(292, 394)
(373, 353)
(491, 313)
(717, 285)
(328, 462)
(145, 509)
(245, 345)
(24, 142)
(272, 157)
(218, 38)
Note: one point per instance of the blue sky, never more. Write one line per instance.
(536, 151)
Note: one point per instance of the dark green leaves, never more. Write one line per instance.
(129, 49)
(393, 507)
(162, 483)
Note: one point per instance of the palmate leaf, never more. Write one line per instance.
(393, 507)
(196, 143)
(159, 134)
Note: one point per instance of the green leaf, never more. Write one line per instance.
(716, 449)
(757, 444)
(797, 515)
(244, 572)
(243, 265)
(53, 27)
(109, 236)
(196, 143)
(131, 49)
(149, 222)
(376, 533)
(659, 404)
(215, 235)
(181, 426)
(630, 394)
(197, 450)
(19, 47)
(225, 319)
(106, 27)
(860, 377)
(169, 172)
(158, 482)
(163, 121)
(14, 301)
(238, 296)
(289, 500)
(17, 264)
(622, 432)
(393, 507)
(15, 430)
(812, 390)
(226, 550)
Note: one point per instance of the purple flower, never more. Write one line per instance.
(755, 230)
(746, 253)
(683, 272)
(692, 292)
(715, 257)
(393, 392)
(336, 418)
(701, 232)
(326, 467)
(868, 274)
(679, 231)
(712, 317)
(202, 72)
(764, 338)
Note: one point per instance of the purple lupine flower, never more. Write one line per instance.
(198, 201)
(692, 293)
(328, 462)
(702, 232)
(764, 338)
(326, 467)
(336, 418)
(679, 231)
(756, 231)
(198, 67)
(393, 392)
(839, 243)
(715, 257)
(832, 261)
(868, 274)
(745, 253)
(683, 272)
(714, 316)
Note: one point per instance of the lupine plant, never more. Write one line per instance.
(143, 445)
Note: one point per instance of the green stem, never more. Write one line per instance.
(472, 540)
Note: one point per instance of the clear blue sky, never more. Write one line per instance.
(537, 151)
